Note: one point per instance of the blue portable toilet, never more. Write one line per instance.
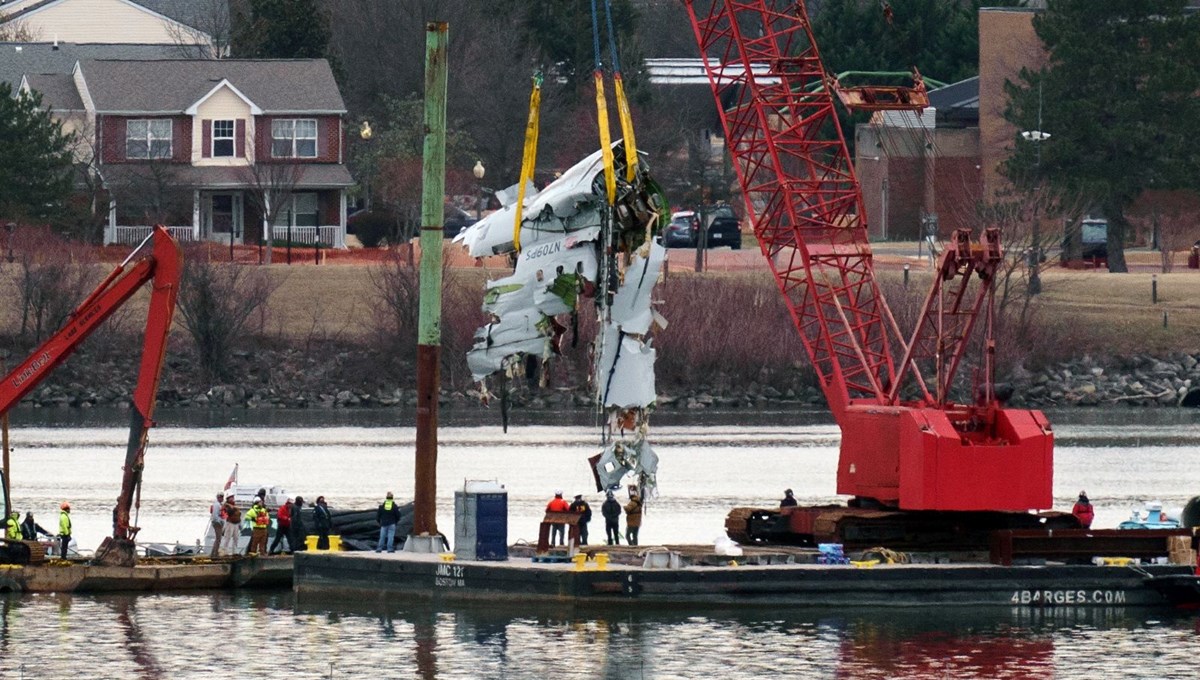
(481, 521)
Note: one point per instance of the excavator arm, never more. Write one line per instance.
(161, 267)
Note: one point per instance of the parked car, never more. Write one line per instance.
(456, 220)
(724, 229)
(681, 231)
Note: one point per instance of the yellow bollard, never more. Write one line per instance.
(602, 561)
(579, 559)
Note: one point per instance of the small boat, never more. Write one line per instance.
(1154, 518)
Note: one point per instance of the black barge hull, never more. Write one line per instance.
(404, 577)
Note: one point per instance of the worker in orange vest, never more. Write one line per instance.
(557, 504)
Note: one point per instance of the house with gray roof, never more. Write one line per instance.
(179, 23)
(221, 150)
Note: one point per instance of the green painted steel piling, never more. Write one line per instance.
(429, 334)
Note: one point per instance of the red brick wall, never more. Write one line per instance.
(328, 139)
(112, 139)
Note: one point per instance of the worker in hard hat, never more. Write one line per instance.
(558, 530)
(64, 528)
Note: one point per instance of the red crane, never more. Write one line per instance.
(161, 267)
(905, 445)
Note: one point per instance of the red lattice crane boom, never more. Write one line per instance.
(805, 205)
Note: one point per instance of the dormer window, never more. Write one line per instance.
(148, 139)
(222, 139)
(294, 138)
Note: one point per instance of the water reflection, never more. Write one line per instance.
(203, 634)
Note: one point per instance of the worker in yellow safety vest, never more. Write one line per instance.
(64, 528)
(260, 519)
(12, 527)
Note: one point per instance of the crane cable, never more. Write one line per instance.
(631, 157)
(529, 158)
(610, 178)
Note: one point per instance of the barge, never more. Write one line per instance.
(437, 578)
(148, 575)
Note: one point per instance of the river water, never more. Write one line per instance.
(709, 463)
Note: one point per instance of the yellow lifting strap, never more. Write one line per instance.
(610, 175)
(631, 157)
(529, 158)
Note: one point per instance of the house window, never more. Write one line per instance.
(299, 211)
(294, 138)
(222, 139)
(149, 139)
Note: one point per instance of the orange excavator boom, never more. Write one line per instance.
(162, 267)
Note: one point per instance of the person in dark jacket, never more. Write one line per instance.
(299, 531)
(581, 507)
(30, 529)
(388, 516)
(1083, 511)
(789, 501)
(611, 510)
(322, 522)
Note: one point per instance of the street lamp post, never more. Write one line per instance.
(479, 172)
(1035, 258)
(10, 227)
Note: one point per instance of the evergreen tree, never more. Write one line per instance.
(280, 29)
(35, 158)
(1118, 98)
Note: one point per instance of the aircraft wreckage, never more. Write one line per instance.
(574, 248)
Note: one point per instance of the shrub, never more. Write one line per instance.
(216, 304)
(372, 228)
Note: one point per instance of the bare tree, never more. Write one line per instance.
(150, 193)
(271, 182)
(205, 33)
(1173, 216)
(51, 276)
(18, 31)
(217, 301)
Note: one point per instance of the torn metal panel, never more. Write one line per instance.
(523, 332)
(625, 457)
(567, 205)
(625, 374)
(631, 305)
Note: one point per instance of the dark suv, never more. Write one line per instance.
(724, 229)
(457, 219)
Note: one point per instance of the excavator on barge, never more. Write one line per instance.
(161, 266)
(923, 470)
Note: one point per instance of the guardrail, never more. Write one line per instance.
(133, 235)
(328, 235)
